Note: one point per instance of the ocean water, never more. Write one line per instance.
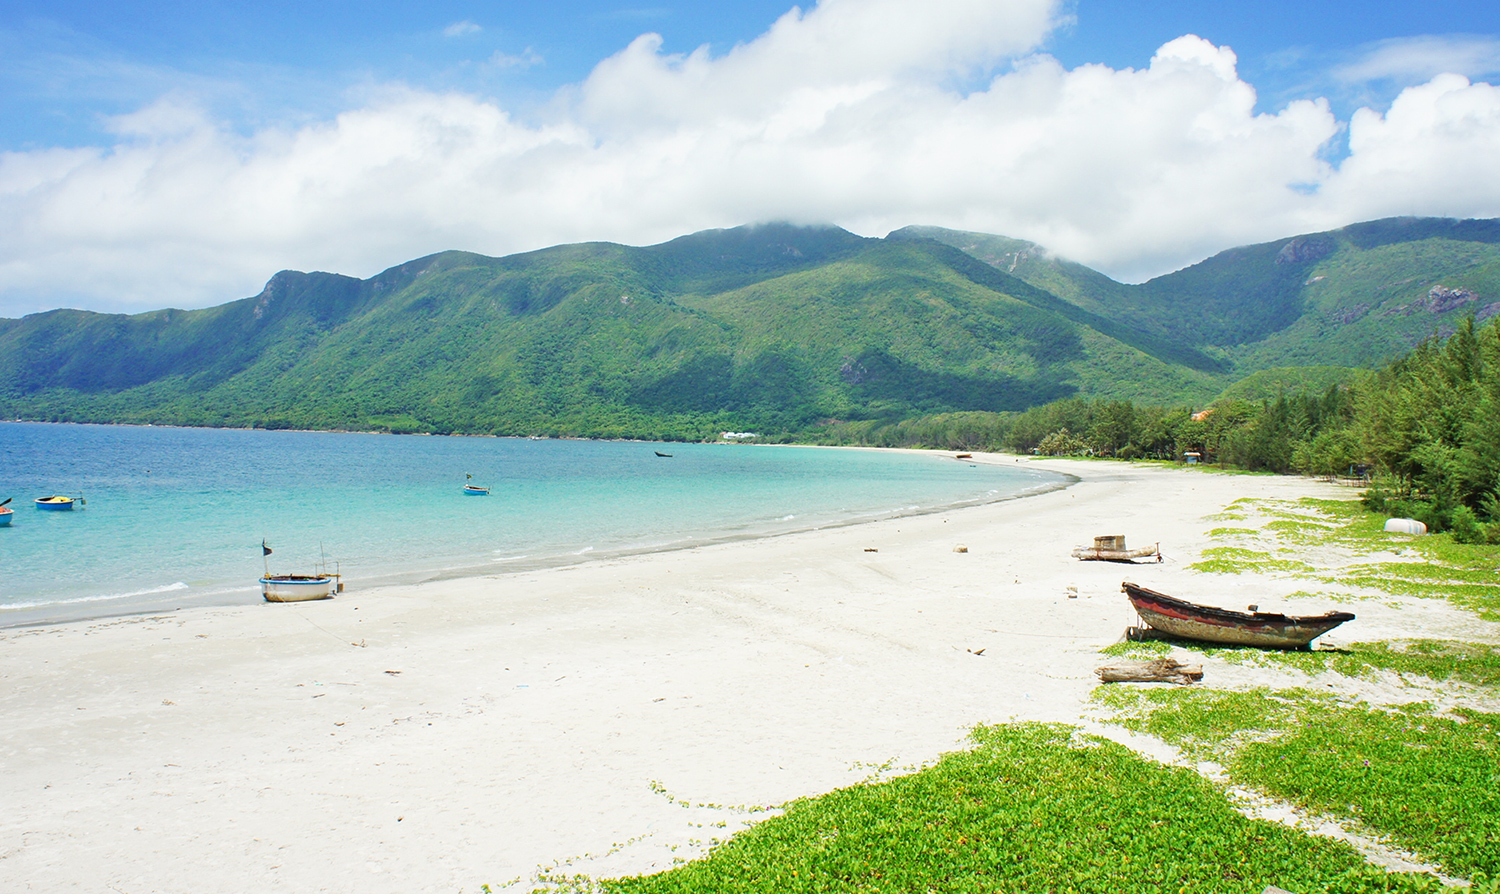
(175, 517)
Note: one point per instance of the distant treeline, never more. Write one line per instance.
(1425, 428)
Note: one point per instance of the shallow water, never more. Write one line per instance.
(175, 517)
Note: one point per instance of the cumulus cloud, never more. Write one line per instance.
(843, 113)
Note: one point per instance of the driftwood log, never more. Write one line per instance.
(1157, 670)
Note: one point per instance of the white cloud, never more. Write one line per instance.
(461, 29)
(522, 60)
(1419, 59)
(839, 114)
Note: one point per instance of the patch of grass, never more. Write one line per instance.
(1031, 807)
(1468, 575)
(1232, 532)
(1225, 516)
(1300, 525)
(1150, 648)
(1432, 659)
(1482, 599)
(1238, 560)
(1429, 782)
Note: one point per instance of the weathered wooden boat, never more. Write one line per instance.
(964, 456)
(1112, 549)
(58, 503)
(297, 587)
(1180, 618)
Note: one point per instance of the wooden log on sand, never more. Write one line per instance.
(1157, 670)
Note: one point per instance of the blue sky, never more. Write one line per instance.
(181, 152)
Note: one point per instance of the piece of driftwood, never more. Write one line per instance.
(1157, 670)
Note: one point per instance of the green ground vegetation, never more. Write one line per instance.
(1030, 807)
(1434, 566)
(1429, 782)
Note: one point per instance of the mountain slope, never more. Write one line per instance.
(1356, 296)
(770, 327)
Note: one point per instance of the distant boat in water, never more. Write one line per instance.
(5, 514)
(58, 502)
(662, 455)
(474, 490)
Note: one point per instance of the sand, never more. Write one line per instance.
(608, 718)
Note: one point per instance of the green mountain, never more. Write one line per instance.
(1354, 297)
(770, 328)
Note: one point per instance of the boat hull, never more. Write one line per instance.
(296, 587)
(56, 504)
(1096, 554)
(1187, 620)
(472, 491)
(5, 516)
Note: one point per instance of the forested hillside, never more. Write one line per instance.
(788, 331)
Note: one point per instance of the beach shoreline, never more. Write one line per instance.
(115, 569)
(609, 717)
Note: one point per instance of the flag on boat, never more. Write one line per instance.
(264, 550)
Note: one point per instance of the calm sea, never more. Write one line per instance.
(175, 517)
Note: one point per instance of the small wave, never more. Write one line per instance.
(510, 558)
(84, 600)
(586, 549)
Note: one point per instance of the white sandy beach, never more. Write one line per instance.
(447, 735)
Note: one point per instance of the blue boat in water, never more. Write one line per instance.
(474, 490)
(58, 502)
(5, 514)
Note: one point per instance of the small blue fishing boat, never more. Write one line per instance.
(474, 490)
(57, 503)
(5, 514)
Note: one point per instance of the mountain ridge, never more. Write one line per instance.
(769, 327)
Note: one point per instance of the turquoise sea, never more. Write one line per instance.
(175, 517)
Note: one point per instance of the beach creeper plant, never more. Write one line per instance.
(1030, 807)
(1429, 782)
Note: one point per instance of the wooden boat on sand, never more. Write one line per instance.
(297, 587)
(1112, 549)
(1180, 618)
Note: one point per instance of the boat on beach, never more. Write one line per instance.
(297, 587)
(1111, 548)
(58, 503)
(1187, 620)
